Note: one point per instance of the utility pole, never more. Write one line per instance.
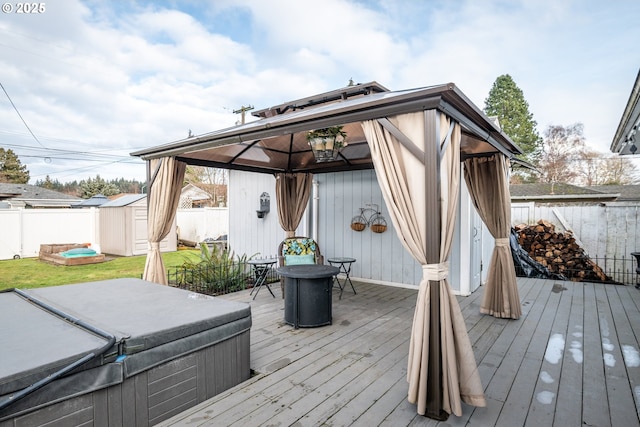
(242, 110)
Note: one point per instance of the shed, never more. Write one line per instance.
(123, 227)
(92, 202)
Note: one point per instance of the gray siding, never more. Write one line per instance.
(381, 257)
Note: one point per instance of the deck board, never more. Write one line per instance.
(571, 359)
(568, 409)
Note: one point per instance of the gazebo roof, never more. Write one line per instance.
(276, 142)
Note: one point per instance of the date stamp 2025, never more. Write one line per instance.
(24, 8)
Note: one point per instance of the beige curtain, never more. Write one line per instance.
(400, 148)
(164, 193)
(487, 179)
(292, 195)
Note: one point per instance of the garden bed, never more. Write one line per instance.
(51, 253)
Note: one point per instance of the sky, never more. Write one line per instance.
(85, 83)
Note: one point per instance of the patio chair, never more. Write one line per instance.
(298, 250)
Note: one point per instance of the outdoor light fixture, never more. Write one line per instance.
(327, 143)
(265, 205)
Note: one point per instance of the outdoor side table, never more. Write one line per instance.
(307, 294)
(261, 269)
(344, 265)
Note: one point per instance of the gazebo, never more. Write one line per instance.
(416, 140)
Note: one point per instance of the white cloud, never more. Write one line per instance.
(95, 76)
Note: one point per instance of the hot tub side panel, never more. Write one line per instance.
(146, 398)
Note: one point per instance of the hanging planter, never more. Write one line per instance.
(373, 219)
(378, 224)
(358, 223)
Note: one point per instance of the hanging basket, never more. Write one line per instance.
(378, 228)
(358, 224)
(379, 224)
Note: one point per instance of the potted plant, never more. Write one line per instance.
(326, 143)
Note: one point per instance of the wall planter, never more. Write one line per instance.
(369, 217)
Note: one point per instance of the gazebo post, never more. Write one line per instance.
(432, 160)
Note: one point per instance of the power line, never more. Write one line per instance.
(86, 154)
(55, 140)
(20, 115)
(83, 168)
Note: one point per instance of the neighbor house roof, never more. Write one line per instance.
(558, 192)
(628, 193)
(36, 197)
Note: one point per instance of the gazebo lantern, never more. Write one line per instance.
(327, 143)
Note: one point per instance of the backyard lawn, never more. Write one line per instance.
(33, 273)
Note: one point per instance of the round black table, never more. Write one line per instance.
(307, 294)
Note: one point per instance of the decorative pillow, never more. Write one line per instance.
(299, 259)
(299, 247)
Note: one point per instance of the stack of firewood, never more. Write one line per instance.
(559, 252)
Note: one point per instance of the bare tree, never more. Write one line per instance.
(560, 147)
(589, 167)
(605, 169)
(616, 170)
(211, 180)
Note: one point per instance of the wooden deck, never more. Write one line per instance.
(571, 360)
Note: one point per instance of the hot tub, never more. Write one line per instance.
(116, 352)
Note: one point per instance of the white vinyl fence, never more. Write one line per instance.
(22, 231)
(196, 225)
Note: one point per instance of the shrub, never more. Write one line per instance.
(218, 271)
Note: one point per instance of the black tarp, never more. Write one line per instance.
(527, 266)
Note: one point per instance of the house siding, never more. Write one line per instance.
(381, 257)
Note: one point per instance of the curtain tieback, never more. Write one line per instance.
(502, 241)
(154, 245)
(436, 272)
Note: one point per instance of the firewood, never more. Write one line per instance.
(558, 251)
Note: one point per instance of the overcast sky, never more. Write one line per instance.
(95, 80)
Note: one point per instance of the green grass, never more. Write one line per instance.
(33, 273)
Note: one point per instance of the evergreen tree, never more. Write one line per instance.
(11, 169)
(506, 101)
(47, 183)
(91, 187)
